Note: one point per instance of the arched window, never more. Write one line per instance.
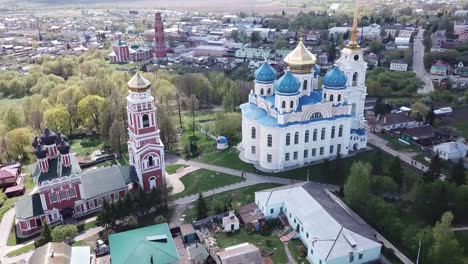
(254, 133)
(291, 104)
(331, 97)
(355, 78)
(322, 134)
(325, 96)
(339, 98)
(283, 104)
(306, 136)
(304, 85)
(340, 131)
(150, 161)
(296, 138)
(152, 182)
(269, 140)
(269, 90)
(333, 132)
(314, 135)
(145, 119)
(261, 91)
(288, 139)
(317, 115)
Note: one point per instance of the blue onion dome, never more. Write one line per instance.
(335, 79)
(316, 70)
(48, 137)
(40, 151)
(222, 140)
(287, 84)
(135, 46)
(63, 147)
(265, 73)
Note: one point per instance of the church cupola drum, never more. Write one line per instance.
(146, 151)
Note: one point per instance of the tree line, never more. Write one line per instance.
(76, 94)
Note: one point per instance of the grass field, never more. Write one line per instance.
(241, 196)
(75, 146)
(172, 168)
(204, 180)
(462, 127)
(225, 158)
(21, 250)
(261, 241)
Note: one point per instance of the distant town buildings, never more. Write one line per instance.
(451, 150)
(460, 28)
(439, 68)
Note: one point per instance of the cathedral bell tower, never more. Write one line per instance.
(146, 151)
(352, 63)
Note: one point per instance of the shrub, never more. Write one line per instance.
(63, 232)
(90, 142)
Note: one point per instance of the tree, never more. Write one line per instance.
(58, 119)
(331, 50)
(64, 232)
(445, 248)
(255, 37)
(435, 168)
(11, 119)
(228, 124)
(90, 109)
(357, 186)
(396, 171)
(380, 108)
(280, 44)
(45, 236)
(18, 139)
(376, 46)
(117, 136)
(202, 208)
(457, 174)
(430, 116)
(419, 110)
(192, 102)
(377, 168)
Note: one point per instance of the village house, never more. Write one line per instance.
(439, 68)
(398, 65)
(451, 150)
(392, 121)
(422, 135)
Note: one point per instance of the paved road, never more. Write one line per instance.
(418, 64)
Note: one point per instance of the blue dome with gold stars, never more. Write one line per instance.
(265, 73)
(335, 79)
(288, 84)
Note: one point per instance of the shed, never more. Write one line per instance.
(230, 222)
(14, 191)
(242, 253)
(188, 233)
(250, 214)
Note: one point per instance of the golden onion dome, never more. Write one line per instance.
(300, 60)
(138, 83)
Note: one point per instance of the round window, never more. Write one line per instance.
(356, 57)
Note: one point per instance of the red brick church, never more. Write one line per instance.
(65, 191)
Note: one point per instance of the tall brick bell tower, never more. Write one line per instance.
(146, 151)
(159, 39)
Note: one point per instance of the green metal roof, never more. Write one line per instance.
(29, 206)
(56, 169)
(134, 246)
(105, 180)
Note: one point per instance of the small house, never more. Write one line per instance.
(422, 135)
(60, 253)
(451, 150)
(398, 65)
(439, 68)
(392, 121)
(230, 223)
(222, 143)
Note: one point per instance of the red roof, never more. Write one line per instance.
(16, 188)
(6, 174)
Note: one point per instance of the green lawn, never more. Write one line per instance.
(75, 146)
(21, 250)
(86, 226)
(204, 180)
(298, 250)
(462, 237)
(462, 127)
(241, 196)
(279, 255)
(172, 168)
(225, 158)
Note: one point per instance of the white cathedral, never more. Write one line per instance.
(291, 121)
